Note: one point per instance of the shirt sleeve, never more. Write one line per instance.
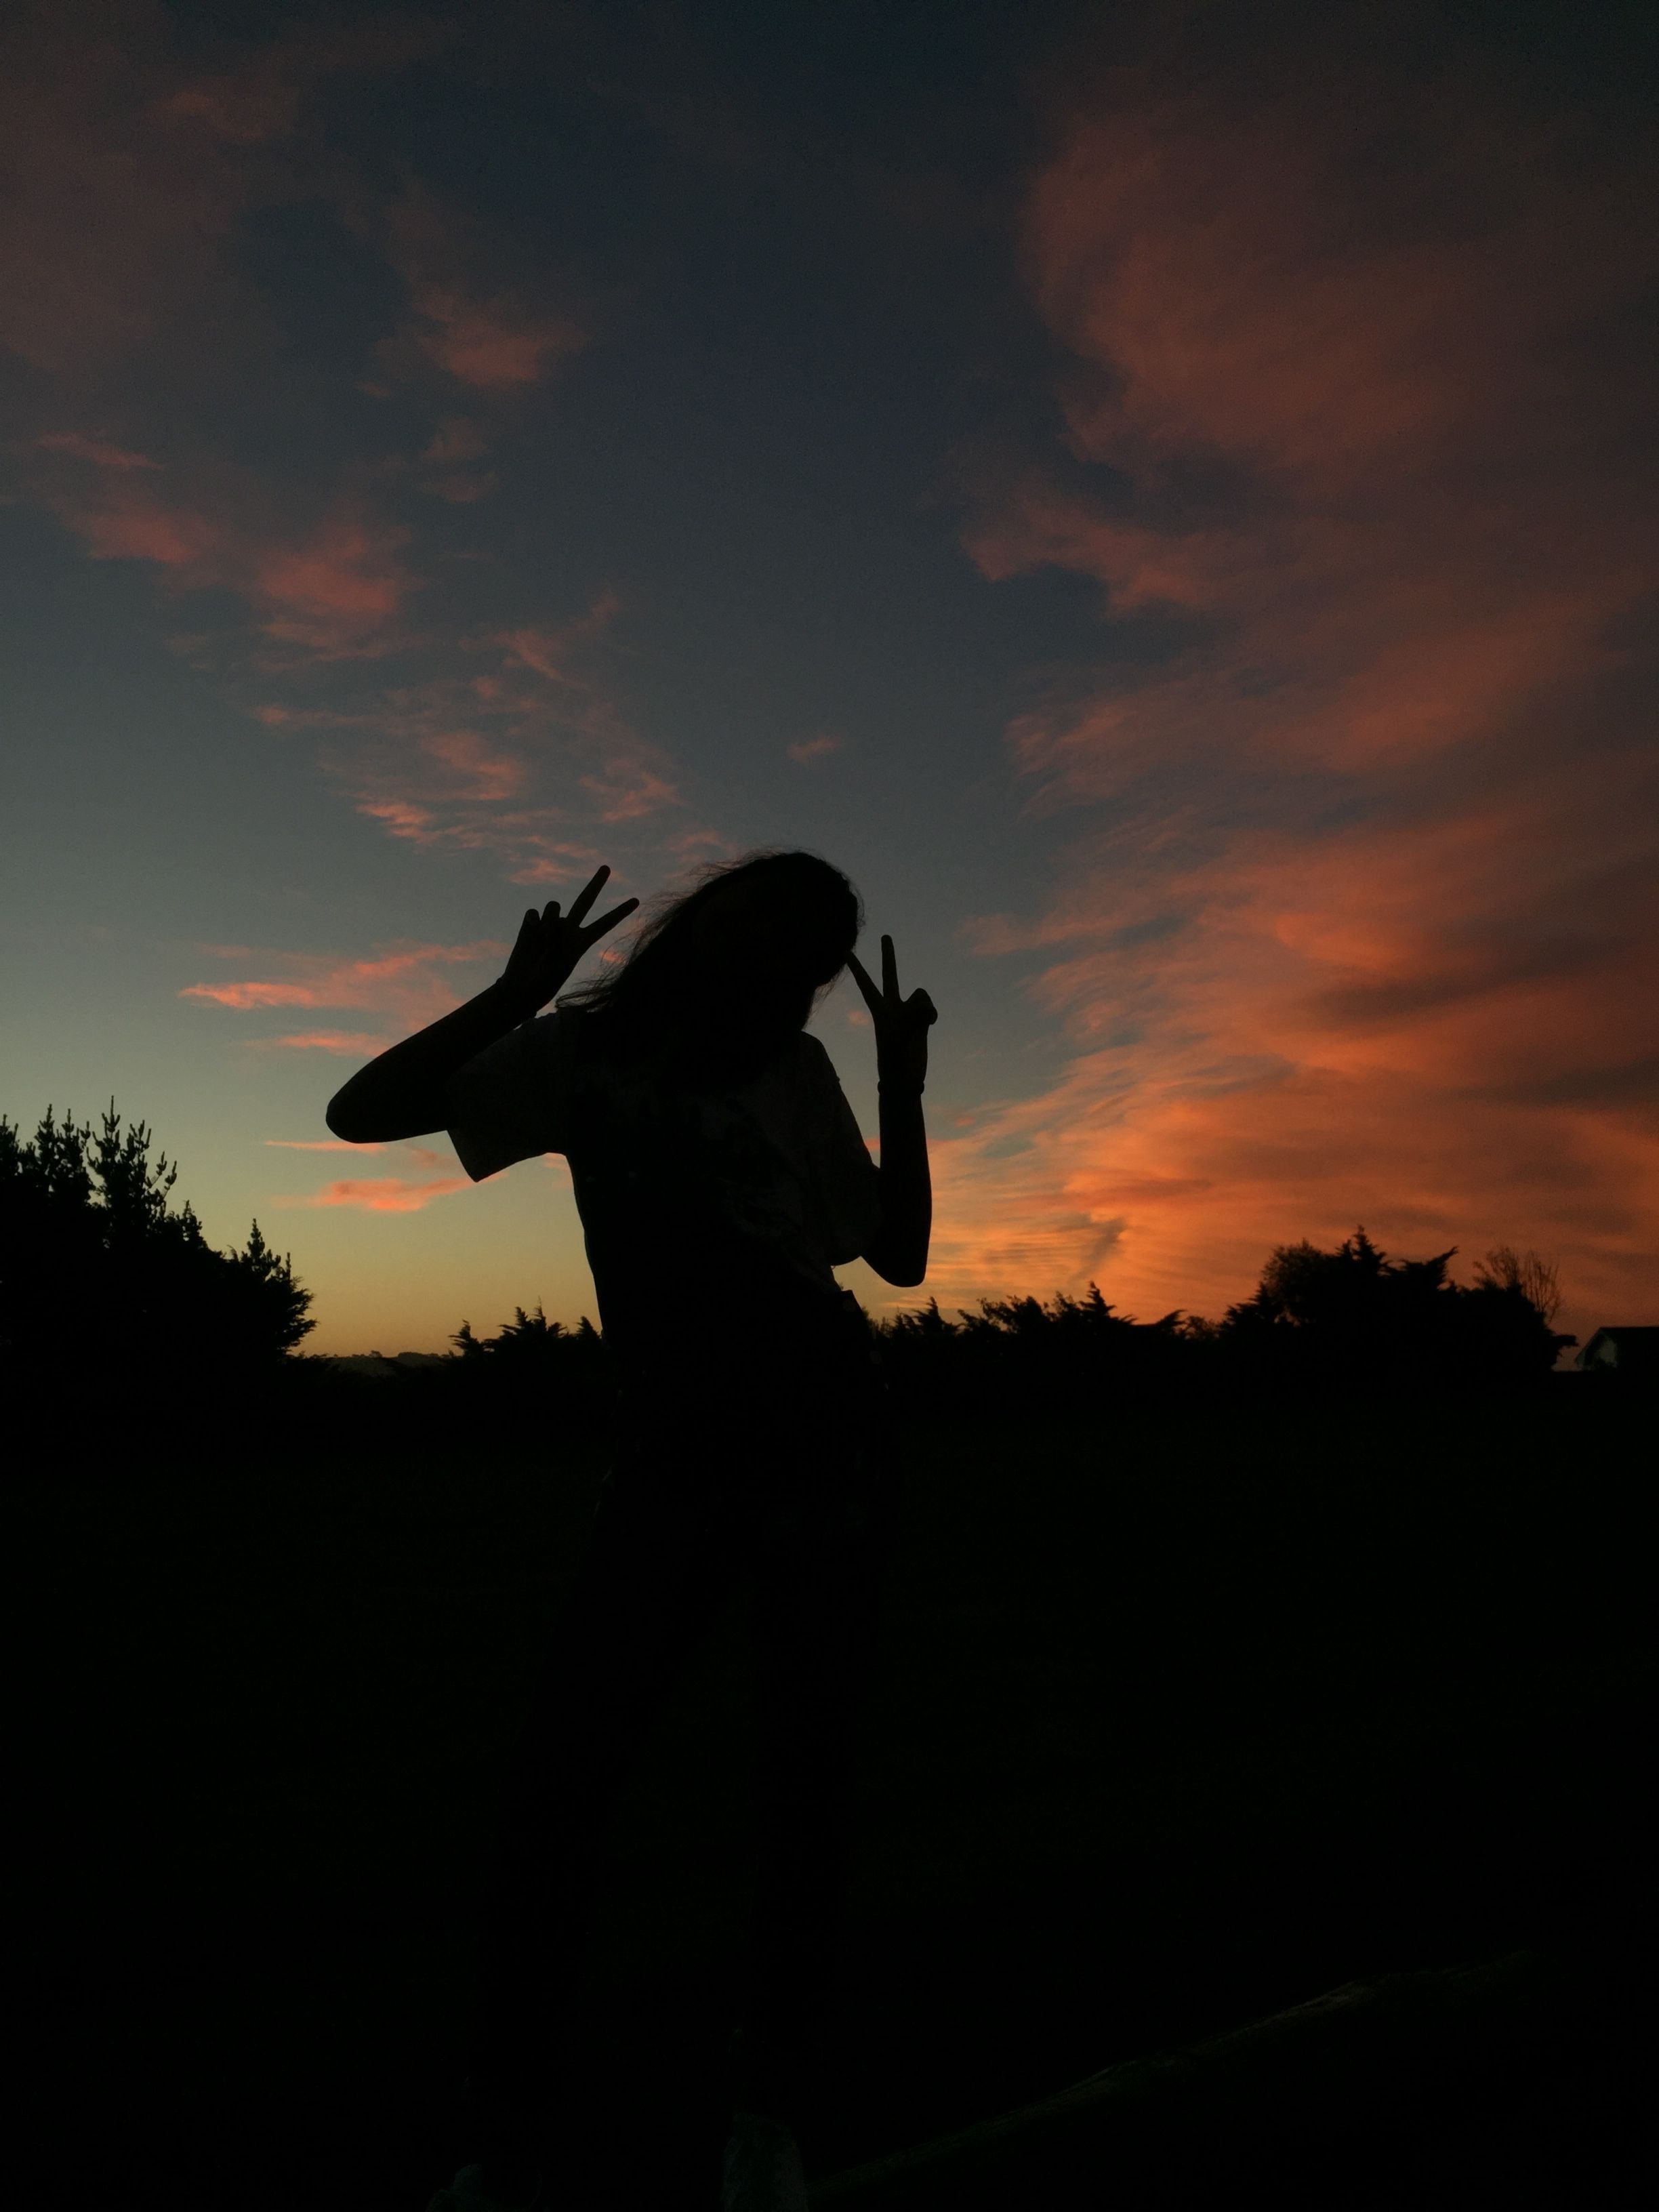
(508, 1103)
(849, 1180)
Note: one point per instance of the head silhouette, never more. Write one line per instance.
(717, 983)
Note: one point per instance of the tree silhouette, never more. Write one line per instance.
(1071, 1354)
(1537, 1278)
(99, 1273)
(1354, 1316)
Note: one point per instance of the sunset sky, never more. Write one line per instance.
(1164, 495)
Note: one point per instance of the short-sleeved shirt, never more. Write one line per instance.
(691, 1203)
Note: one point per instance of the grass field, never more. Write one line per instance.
(1180, 1716)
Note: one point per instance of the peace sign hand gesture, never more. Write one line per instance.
(549, 944)
(901, 1024)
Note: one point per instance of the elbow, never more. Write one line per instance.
(904, 1270)
(345, 1124)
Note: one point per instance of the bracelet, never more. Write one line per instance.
(881, 1088)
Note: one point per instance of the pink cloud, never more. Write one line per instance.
(405, 980)
(561, 864)
(553, 652)
(97, 452)
(129, 172)
(319, 1145)
(1365, 933)
(489, 343)
(811, 748)
(330, 590)
(484, 336)
(383, 1194)
(128, 527)
(355, 1044)
(524, 758)
(403, 818)
(262, 96)
(336, 593)
(628, 788)
(485, 774)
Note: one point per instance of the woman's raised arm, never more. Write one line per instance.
(898, 1250)
(402, 1093)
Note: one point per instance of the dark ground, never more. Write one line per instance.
(1182, 1717)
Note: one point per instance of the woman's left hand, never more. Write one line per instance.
(901, 1024)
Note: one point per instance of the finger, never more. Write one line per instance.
(919, 1002)
(550, 911)
(862, 978)
(588, 893)
(889, 968)
(608, 920)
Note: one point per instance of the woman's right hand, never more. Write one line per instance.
(550, 943)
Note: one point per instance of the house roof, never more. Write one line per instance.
(1622, 1346)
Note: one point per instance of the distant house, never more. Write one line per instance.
(1622, 1352)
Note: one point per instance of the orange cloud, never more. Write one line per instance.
(337, 594)
(329, 592)
(524, 758)
(485, 337)
(1360, 906)
(403, 981)
(353, 1044)
(382, 1193)
(99, 452)
(128, 526)
(319, 1145)
(811, 748)
(489, 343)
(129, 172)
(485, 774)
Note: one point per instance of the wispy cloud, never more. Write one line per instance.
(352, 1044)
(381, 1193)
(122, 272)
(813, 748)
(528, 754)
(97, 452)
(493, 340)
(407, 981)
(1360, 888)
(319, 1145)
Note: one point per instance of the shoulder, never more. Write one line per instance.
(822, 1103)
(812, 1061)
(536, 1053)
(559, 1031)
(810, 1074)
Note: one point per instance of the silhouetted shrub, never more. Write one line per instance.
(1354, 1318)
(1347, 1320)
(104, 1287)
(1070, 1354)
(533, 1363)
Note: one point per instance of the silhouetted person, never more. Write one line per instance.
(718, 1170)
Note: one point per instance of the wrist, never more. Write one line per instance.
(895, 1087)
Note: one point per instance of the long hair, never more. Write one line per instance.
(654, 1009)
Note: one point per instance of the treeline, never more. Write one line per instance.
(1319, 1321)
(108, 1293)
